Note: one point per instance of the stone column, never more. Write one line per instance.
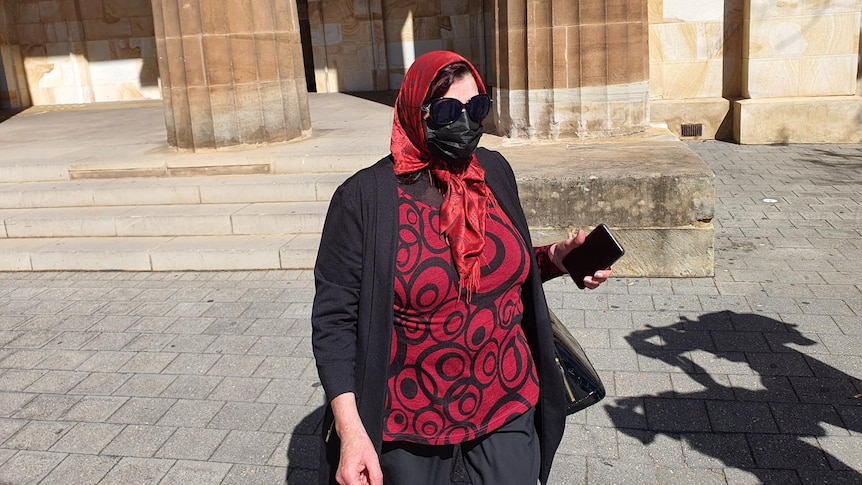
(13, 84)
(799, 72)
(571, 68)
(232, 72)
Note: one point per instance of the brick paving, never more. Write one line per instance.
(752, 376)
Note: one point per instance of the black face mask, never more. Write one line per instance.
(453, 143)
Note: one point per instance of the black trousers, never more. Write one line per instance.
(508, 456)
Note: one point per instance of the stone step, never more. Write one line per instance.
(185, 253)
(224, 189)
(90, 173)
(267, 218)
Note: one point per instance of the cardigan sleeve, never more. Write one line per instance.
(338, 276)
(547, 269)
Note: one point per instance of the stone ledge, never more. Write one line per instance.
(650, 184)
(667, 252)
(654, 192)
(825, 119)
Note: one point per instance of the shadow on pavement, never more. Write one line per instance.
(303, 456)
(768, 409)
(839, 167)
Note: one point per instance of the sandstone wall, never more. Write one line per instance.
(368, 45)
(84, 51)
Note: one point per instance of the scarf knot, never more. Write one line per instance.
(465, 199)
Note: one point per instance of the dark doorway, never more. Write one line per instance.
(305, 37)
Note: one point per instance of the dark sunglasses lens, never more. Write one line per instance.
(478, 107)
(445, 110)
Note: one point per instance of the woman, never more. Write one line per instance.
(430, 327)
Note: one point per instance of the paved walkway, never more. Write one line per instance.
(752, 376)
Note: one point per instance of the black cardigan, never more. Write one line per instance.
(352, 316)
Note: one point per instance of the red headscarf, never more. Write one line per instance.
(462, 214)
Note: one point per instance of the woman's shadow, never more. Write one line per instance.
(744, 397)
(303, 451)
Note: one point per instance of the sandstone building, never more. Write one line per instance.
(754, 71)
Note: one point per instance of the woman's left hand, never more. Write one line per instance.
(559, 251)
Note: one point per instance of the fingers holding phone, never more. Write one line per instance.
(589, 261)
(561, 249)
(600, 276)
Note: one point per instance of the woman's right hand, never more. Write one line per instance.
(359, 464)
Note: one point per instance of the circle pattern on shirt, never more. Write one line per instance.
(457, 369)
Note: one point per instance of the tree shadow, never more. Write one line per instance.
(745, 397)
(840, 167)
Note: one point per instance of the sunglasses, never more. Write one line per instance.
(443, 111)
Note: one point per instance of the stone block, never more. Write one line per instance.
(202, 254)
(120, 9)
(828, 75)
(15, 254)
(834, 119)
(57, 10)
(815, 35)
(243, 62)
(286, 15)
(266, 56)
(799, 76)
(32, 34)
(125, 254)
(193, 62)
(652, 190)
(177, 220)
(683, 10)
(279, 218)
(103, 30)
(688, 79)
(27, 13)
(224, 116)
(91, 9)
(300, 252)
(579, 185)
(94, 222)
(715, 114)
(686, 41)
(302, 187)
(251, 129)
(142, 26)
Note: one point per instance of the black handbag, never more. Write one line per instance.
(583, 385)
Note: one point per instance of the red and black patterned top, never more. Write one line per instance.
(458, 370)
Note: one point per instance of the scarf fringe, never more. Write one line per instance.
(464, 207)
(470, 283)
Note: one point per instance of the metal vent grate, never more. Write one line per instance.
(692, 129)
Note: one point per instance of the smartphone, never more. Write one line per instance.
(599, 251)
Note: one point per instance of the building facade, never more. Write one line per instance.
(237, 71)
